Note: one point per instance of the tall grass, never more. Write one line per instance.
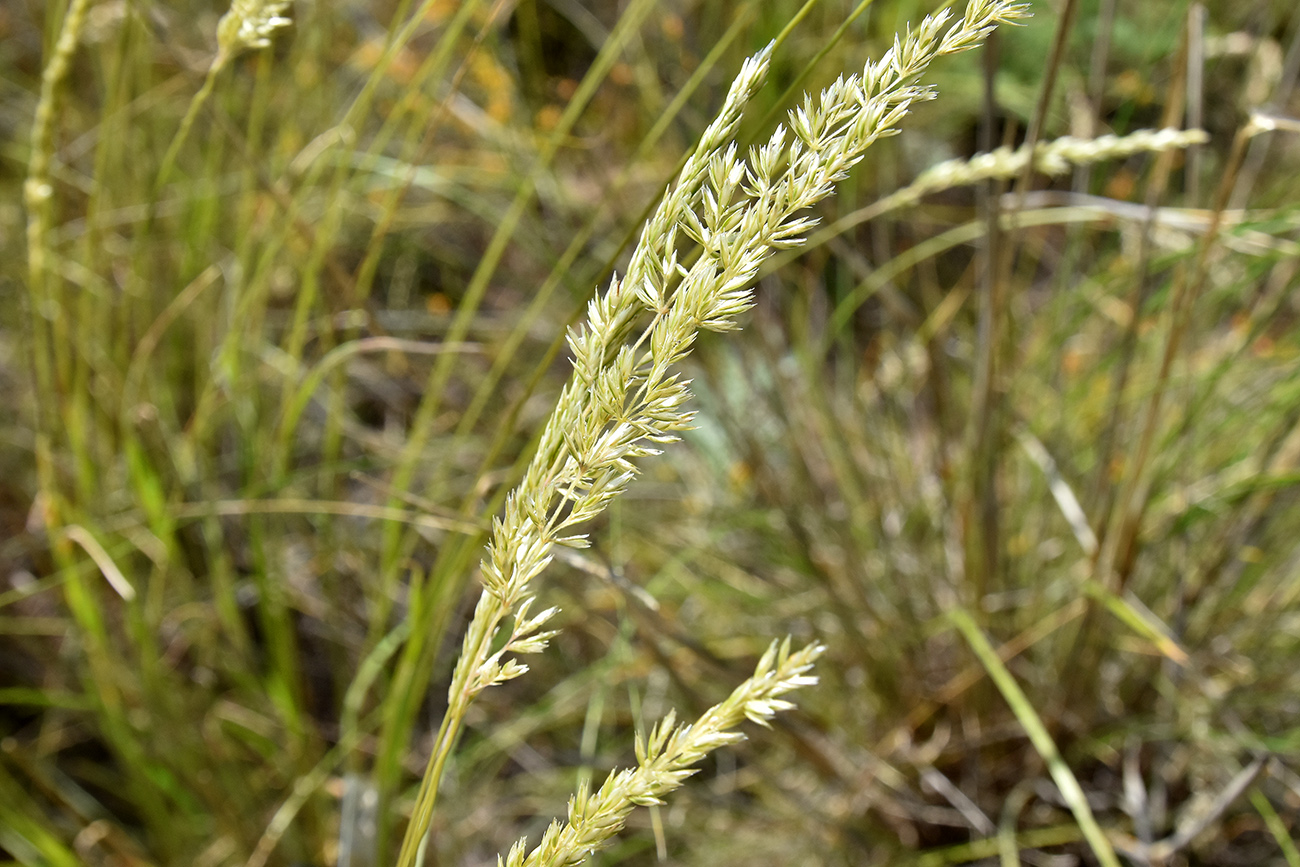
(286, 327)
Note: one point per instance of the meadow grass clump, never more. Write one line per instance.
(1006, 444)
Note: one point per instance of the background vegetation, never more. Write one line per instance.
(1033, 485)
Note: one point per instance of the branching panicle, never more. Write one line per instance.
(623, 395)
(738, 212)
(1051, 158)
(665, 759)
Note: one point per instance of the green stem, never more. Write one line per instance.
(475, 651)
(187, 123)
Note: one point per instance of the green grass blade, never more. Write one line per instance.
(1276, 827)
(1071, 791)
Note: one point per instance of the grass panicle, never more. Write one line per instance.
(1054, 158)
(248, 25)
(665, 759)
(623, 400)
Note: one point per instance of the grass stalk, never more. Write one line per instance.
(1138, 296)
(48, 332)
(1116, 556)
(989, 414)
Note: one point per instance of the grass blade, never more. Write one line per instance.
(1071, 791)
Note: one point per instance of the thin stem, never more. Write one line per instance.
(48, 334)
(1117, 556)
(187, 123)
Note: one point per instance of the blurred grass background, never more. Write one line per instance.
(281, 370)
